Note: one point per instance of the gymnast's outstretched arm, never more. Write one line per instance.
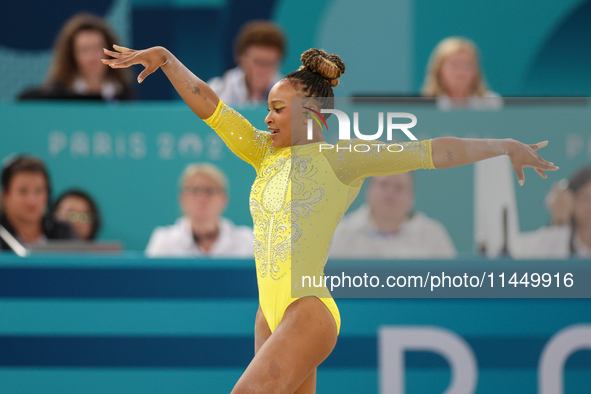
(242, 138)
(197, 94)
(450, 152)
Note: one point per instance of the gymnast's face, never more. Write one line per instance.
(202, 198)
(284, 115)
(279, 118)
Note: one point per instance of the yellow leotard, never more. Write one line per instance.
(299, 196)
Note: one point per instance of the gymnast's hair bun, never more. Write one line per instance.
(330, 67)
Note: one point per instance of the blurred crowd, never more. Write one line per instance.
(454, 76)
(385, 226)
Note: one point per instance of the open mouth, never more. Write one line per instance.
(274, 132)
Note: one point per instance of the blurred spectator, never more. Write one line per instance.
(569, 233)
(258, 51)
(79, 210)
(76, 71)
(23, 204)
(387, 228)
(202, 231)
(455, 77)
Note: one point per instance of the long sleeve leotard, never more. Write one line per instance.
(299, 196)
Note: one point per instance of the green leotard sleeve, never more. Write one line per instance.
(247, 142)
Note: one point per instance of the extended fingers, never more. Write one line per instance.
(120, 60)
(118, 63)
(112, 53)
(540, 162)
(144, 74)
(112, 62)
(519, 171)
(541, 173)
(546, 165)
(122, 49)
(539, 145)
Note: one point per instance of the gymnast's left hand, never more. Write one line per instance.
(152, 59)
(523, 155)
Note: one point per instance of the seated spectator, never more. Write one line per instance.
(202, 231)
(76, 71)
(79, 210)
(569, 234)
(23, 204)
(387, 228)
(259, 49)
(455, 77)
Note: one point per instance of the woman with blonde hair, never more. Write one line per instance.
(298, 197)
(76, 71)
(455, 77)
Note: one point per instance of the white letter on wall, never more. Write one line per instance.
(395, 340)
(556, 352)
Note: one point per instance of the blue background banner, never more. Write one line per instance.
(130, 157)
(126, 324)
(199, 336)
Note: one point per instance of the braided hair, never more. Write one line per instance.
(318, 74)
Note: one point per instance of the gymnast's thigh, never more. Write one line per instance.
(262, 332)
(306, 335)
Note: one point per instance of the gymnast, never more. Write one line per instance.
(298, 197)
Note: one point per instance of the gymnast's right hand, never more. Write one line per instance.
(152, 59)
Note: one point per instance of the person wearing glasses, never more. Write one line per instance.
(202, 231)
(387, 226)
(78, 209)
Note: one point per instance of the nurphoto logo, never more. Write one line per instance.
(345, 128)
